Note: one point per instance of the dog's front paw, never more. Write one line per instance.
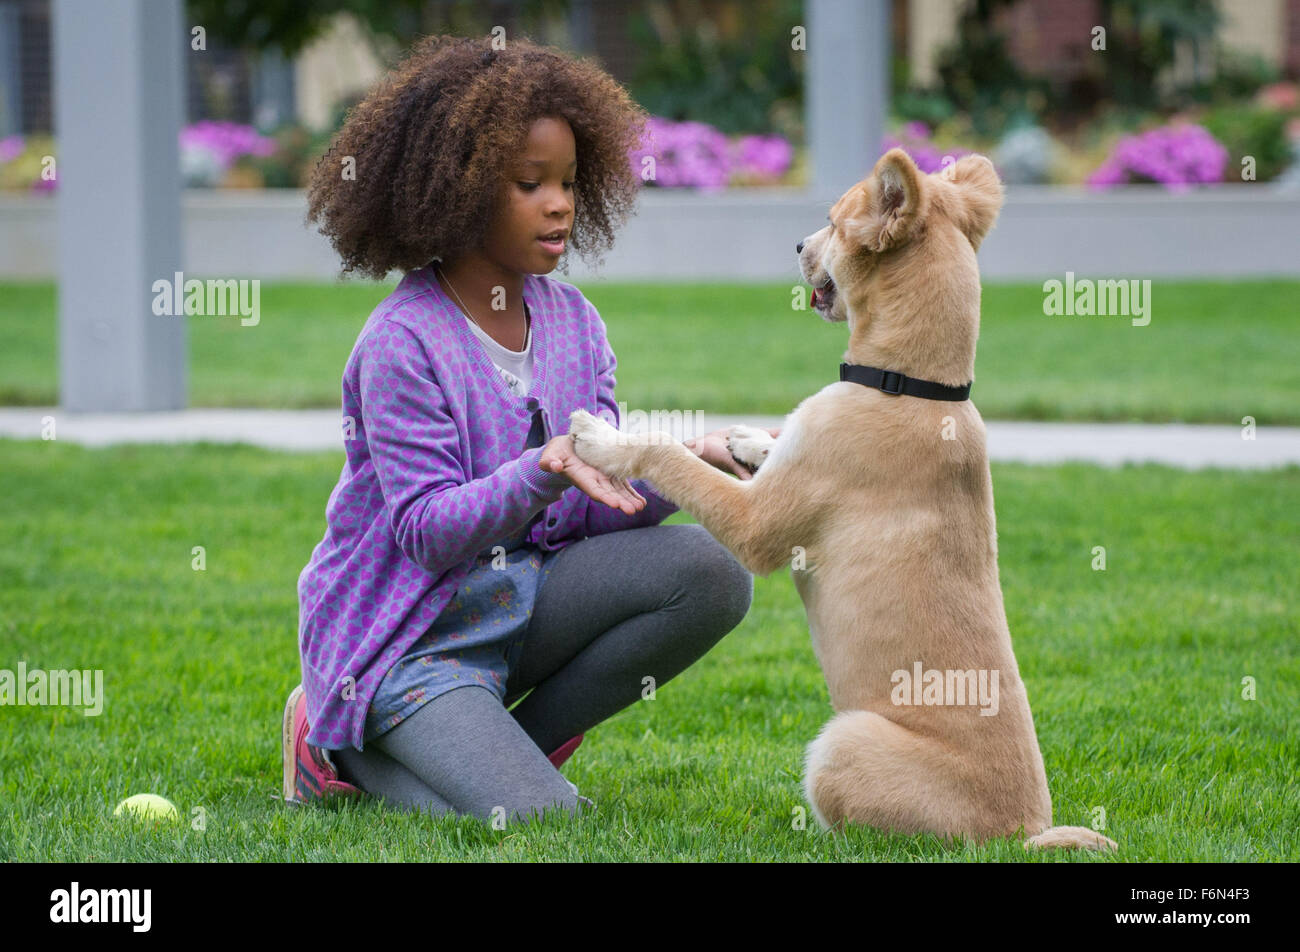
(749, 445)
(600, 445)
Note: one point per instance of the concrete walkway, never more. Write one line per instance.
(1109, 444)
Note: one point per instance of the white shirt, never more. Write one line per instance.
(516, 366)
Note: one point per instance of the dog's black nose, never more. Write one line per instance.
(799, 247)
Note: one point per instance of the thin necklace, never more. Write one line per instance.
(527, 327)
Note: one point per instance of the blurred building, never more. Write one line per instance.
(1043, 38)
(264, 89)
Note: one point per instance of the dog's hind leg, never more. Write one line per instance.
(863, 768)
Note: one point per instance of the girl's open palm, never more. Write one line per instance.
(559, 457)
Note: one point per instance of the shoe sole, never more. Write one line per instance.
(288, 748)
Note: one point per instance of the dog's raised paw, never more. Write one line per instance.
(749, 445)
(598, 444)
(585, 426)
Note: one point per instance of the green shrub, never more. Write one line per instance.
(1251, 131)
(726, 73)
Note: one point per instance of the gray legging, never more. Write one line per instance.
(614, 609)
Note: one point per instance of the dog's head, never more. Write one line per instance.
(902, 242)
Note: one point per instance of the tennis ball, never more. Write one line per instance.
(147, 806)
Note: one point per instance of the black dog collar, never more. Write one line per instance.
(889, 381)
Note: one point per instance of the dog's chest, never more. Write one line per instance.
(804, 574)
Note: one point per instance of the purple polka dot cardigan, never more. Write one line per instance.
(435, 473)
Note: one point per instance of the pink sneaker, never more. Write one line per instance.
(309, 775)
(564, 751)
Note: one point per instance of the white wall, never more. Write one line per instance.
(1139, 231)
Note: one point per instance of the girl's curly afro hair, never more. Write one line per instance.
(431, 145)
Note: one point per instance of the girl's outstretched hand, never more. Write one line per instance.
(559, 457)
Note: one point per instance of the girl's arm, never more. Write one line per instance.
(439, 517)
(601, 519)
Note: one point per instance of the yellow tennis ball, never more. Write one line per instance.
(148, 806)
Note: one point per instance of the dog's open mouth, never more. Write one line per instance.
(823, 298)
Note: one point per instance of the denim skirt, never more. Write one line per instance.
(477, 639)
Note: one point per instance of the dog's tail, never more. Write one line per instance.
(1070, 838)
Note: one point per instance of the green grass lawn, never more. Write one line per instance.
(1134, 673)
(1213, 352)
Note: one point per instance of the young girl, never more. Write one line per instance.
(470, 559)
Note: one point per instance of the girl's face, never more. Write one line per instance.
(532, 226)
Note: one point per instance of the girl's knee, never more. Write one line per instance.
(528, 809)
(717, 575)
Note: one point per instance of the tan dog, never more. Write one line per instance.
(883, 505)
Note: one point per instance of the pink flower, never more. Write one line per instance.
(1284, 97)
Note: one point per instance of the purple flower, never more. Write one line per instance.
(225, 141)
(11, 147)
(916, 129)
(914, 139)
(685, 154)
(696, 155)
(1175, 156)
(767, 157)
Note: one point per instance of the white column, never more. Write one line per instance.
(117, 112)
(846, 90)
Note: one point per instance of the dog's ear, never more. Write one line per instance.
(896, 201)
(981, 191)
